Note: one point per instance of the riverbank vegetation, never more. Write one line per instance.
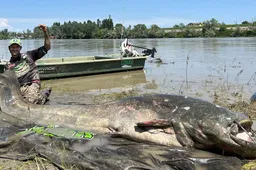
(106, 29)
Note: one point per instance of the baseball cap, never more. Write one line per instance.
(15, 41)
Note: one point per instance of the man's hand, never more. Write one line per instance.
(42, 27)
(47, 43)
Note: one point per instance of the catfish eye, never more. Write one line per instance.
(234, 129)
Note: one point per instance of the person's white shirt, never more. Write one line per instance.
(126, 46)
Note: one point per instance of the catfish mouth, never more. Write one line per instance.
(243, 134)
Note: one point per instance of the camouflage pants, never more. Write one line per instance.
(127, 53)
(32, 94)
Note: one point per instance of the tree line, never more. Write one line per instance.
(106, 29)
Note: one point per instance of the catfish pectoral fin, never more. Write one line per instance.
(155, 123)
(116, 134)
(181, 134)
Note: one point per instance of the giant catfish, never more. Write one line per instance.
(164, 119)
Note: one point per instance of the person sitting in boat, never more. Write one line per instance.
(127, 49)
(26, 70)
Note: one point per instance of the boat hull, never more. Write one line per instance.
(50, 68)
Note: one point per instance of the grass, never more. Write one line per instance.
(116, 95)
(38, 163)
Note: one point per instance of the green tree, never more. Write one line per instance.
(245, 23)
(223, 27)
(37, 33)
(56, 30)
(181, 25)
(139, 31)
(223, 31)
(29, 33)
(237, 32)
(4, 34)
(189, 33)
(98, 23)
(103, 33)
(67, 30)
(128, 32)
(155, 32)
(89, 29)
(119, 30)
(209, 27)
(108, 24)
(12, 34)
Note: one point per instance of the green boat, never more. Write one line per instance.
(85, 65)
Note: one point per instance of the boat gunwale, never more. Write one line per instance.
(40, 62)
(84, 73)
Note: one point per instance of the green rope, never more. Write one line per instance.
(53, 131)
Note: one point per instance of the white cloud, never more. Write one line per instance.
(4, 24)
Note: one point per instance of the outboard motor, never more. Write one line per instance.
(150, 52)
(153, 52)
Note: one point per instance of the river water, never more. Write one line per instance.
(195, 66)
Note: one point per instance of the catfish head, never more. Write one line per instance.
(204, 125)
(234, 136)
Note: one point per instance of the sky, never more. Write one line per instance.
(20, 15)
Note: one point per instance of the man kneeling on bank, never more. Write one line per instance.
(26, 70)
